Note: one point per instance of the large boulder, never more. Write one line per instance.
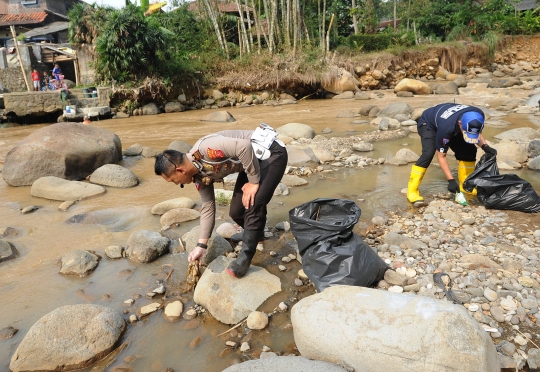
(230, 300)
(339, 80)
(219, 117)
(288, 363)
(114, 175)
(412, 85)
(518, 134)
(322, 154)
(217, 245)
(174, 107)
(179, 145)
(66, 150)
(296, 131)
(70, 337)
(447, 88)
(404, 156)
(79, 263)
(178, 215)
(301, 156)
(396, 108)
(150, 109)
(145, 246)
(54, 188)
(509, 150)
(392, 331)
(167, 205)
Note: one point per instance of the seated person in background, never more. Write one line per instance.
(45, 81)
(57, 72)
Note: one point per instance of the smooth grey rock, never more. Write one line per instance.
(68, 338)
(533, 359)
(229, 299)
(54, 188)
(217, 245)
(322, 154)
(393, 238)
(114, 175)
(178, 215)
(534, 164)
(404, 156)
(150, 109)
(296, 131)
(179, 145)
(363, 146)
(6, 251)
(174, 107)
(364, 110)
(114, 252)
(518, 134)
(447, 88)
(66, 150)
(404, 94)
(344, 95)
(167, 205)
(79, 263)
(8, 232)
(148, 152)
(384, 124)
(364, 96)
(226, 230)
(368, 320)
(145, 246)
(394, 278)
(301, 156)
(345, 113)
(219, 117)
(292, 180)
(7, 332)
(284, 364)
(509, 150)
(281, 189)
(133, 150)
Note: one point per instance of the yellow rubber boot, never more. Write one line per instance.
(465, 168)
(417, 173)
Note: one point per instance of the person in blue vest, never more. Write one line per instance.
(444, 126)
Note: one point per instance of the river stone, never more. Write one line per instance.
(533, 359)
(219, 117)
(79, 263)
(369, 319)
(533, 148)
(226, 230)
(68, 338)
(447, 88)
(8, 232)
(392, 109)
(404, 242)
(6, 251)
(497, 313)
(404, 156)
(364, 96)
(363, 146)
(476, 260)
(148, 152)
(217, 245)
(534, 164)
(394, 278)
(145, 246)
(292, 180)
(404, 94)
(133, 150)
(339, 80)
(173, 311)
(344, 95)
(412, 85)
(288, 363)
(257, 320)
(179, 145)
(114, 252)
(518, 134)
(509, 150)
(66, 150)
(167, 205)
(301, 156)
(178, 215)
(322, 154)
(296, 131)
(281, 189)
(150, 109)
(114, 175)
(54, 188)
(174, 107)
(7, 332)
(364, 110)
(346, 113)
(229, 299)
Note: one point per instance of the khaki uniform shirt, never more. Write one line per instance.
(216, 156)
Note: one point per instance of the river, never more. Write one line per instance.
(30, 285)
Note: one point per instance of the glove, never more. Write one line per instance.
(197, 254)
(489, 150)
(453, 186)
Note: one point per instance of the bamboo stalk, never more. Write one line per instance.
(250, 39)
(19, 57)
(242, 27)
(328, 33)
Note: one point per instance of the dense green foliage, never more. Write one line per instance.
(375, 42)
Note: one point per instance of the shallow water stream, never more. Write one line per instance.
(30, 285)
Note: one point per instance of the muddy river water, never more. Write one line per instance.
(30, 285)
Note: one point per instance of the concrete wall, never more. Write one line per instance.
(86, 57)
(57, 6)
(12, 79)
(32, 103)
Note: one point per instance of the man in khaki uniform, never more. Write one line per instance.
(258, 156)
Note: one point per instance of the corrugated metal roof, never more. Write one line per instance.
(526, 5)
(49, 29)
(22, 18)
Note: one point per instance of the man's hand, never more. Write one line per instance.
(489, 150)
(250, 190)
(453, 186)
(196, 255)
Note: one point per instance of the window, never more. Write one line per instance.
(29, 2)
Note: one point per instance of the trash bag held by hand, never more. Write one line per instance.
(486, 166)
(331, 253)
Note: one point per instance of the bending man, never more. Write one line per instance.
(444, 126)
(259, 158)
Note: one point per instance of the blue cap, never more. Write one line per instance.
(472, 123)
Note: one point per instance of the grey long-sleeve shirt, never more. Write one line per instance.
(216, 156)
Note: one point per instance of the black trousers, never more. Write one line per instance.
(464, 151)
(272, 170)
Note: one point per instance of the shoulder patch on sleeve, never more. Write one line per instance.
(214, 154)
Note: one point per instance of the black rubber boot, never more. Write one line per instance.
(239, 267)
(236, 238)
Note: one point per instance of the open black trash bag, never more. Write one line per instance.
(331, 253)
(501, 191)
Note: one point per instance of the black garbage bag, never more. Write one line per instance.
(331, 253)
(486, 166)
(501, 191)
(507, 191)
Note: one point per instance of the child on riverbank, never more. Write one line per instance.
(36, 78)
(57, 72)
